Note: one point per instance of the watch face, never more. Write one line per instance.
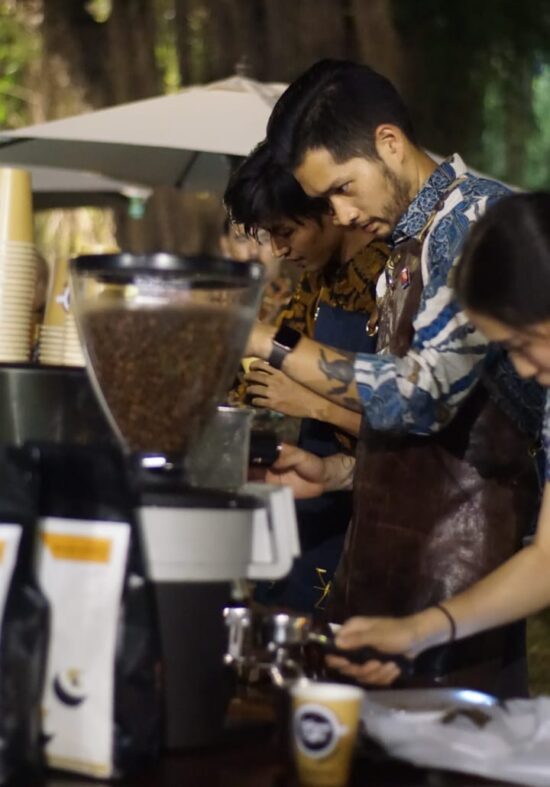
(287, 337)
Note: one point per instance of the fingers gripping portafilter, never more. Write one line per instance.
(163, 336)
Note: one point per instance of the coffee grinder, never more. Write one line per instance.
(163, 335)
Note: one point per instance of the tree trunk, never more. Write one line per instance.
(213, 36)
(131, 38)
(73, 69)
(377, 42)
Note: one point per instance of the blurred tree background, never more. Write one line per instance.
(475, 74)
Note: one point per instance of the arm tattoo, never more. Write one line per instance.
(352, 404)
(342, 467)
(340, 370)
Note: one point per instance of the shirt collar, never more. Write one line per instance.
(422, 206)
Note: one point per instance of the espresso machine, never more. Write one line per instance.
(162, 336)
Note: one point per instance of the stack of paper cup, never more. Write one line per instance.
(59, 342)
(17, 265)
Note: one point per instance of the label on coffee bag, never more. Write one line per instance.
(10, 536)
(81, 567)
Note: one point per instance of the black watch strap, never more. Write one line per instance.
(284, 341)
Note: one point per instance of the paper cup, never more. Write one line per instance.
(13, 341)
(20, 303)
(73, 360)
(15, 345)
(21, 280)
(12, 252)
(51, 359)
(58, 304)
(17, 249)
(17, 244)
(16, 223)
(246, 362)
(17, 293)
(325, 720)
(13, 269)
(73, 349)
(14, 357)
(59, 344)
(17, 286)
(50, 345)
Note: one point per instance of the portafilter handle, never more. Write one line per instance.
(238, 621)
(362, 654)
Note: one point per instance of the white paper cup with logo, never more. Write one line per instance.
(325, 720)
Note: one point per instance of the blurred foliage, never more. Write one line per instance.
(166, 46)
(478, 73)
(537, 173)
(100, 10)
(20, 45)
(198, 54)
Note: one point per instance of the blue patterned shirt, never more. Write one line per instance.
(422, 391)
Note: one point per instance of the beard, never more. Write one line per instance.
(399, 199)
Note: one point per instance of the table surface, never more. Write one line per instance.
(254, 753)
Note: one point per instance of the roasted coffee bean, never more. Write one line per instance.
(163, 370)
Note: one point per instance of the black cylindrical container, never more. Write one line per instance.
(197, 684)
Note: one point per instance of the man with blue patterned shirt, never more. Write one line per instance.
(443, 484)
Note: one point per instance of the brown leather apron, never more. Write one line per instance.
(431, 515)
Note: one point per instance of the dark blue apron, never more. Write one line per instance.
(322, 521)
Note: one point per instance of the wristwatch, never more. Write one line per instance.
(284, 341)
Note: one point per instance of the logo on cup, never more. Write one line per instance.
(317, 730)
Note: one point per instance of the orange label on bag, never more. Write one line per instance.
(85, 548)
(2, 550)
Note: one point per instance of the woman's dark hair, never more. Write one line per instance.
(337, 105)
(504, 269)
(261, 193)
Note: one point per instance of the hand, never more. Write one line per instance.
(273, 389)
(259, 340)
(389, 635)
(300, 470)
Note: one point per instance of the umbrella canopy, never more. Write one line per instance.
(63, 188)
(156, 141)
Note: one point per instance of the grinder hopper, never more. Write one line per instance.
(163, 336)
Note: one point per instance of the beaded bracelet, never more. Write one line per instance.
(452, 622)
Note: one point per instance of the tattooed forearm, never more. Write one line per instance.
(350, 403)
(339, 471)
(341, 369)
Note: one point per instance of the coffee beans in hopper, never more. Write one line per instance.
(162, 371)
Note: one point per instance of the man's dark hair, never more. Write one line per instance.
(261, 193)
(337, 105)
(504, 269)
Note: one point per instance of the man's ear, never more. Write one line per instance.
(390, 143)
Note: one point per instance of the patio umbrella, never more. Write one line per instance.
(173, 140)
(54, 187)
